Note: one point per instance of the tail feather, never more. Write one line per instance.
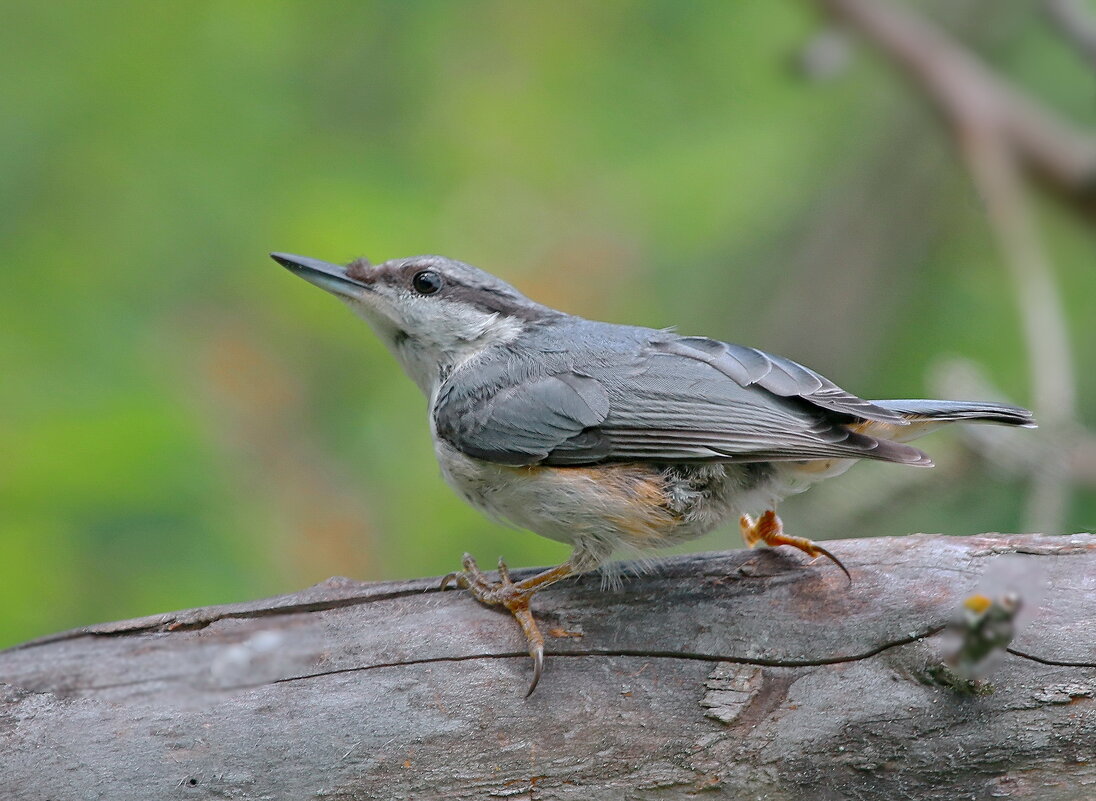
(944, 411)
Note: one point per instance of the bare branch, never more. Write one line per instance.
(1062, 157)
(1076, 24)
(746, 674)
(999, 131)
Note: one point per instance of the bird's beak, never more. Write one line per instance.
(330, 277)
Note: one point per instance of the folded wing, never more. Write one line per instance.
(673, 400)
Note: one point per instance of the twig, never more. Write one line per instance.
(999, 132)
(1076, 25)
(1053, 391)
(1062, 157)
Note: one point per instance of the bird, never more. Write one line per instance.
(613, 437)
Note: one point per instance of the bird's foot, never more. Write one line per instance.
(770, 530)
(505, 592)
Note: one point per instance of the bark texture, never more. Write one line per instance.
(747, 674)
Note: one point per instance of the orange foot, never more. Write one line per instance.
(514, 596)
(769, 530)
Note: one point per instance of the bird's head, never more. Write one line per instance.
(433, 313)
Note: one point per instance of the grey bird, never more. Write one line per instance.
(611, 437)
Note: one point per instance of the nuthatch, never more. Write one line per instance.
(607, 436)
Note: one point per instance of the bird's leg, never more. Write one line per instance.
(770, 530)
(515, 596)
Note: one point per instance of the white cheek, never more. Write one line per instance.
(455, 328)
(426, 333)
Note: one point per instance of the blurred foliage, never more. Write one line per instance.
(184, 423)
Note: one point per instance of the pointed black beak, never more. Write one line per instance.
(329, 277)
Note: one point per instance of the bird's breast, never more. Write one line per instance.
(642, 505)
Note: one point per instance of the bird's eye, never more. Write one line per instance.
(426, 282)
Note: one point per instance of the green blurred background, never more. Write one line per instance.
(184, 423)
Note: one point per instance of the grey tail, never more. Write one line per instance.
(960, 411)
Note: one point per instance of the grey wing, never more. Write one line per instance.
(667, 401)
(524, 422)
(752, 367)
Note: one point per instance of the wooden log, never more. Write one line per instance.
(747, 674)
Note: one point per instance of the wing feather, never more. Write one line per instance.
(522, 423)
(686, 399)
(783, 377)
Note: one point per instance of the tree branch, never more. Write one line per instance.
(747, 672)
(962, 88)
(1000, 132)
(1076, 25)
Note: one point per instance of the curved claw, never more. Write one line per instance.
(833, 559)
(537, 652)
(514, 597)
(769, 530)
(448, 578)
